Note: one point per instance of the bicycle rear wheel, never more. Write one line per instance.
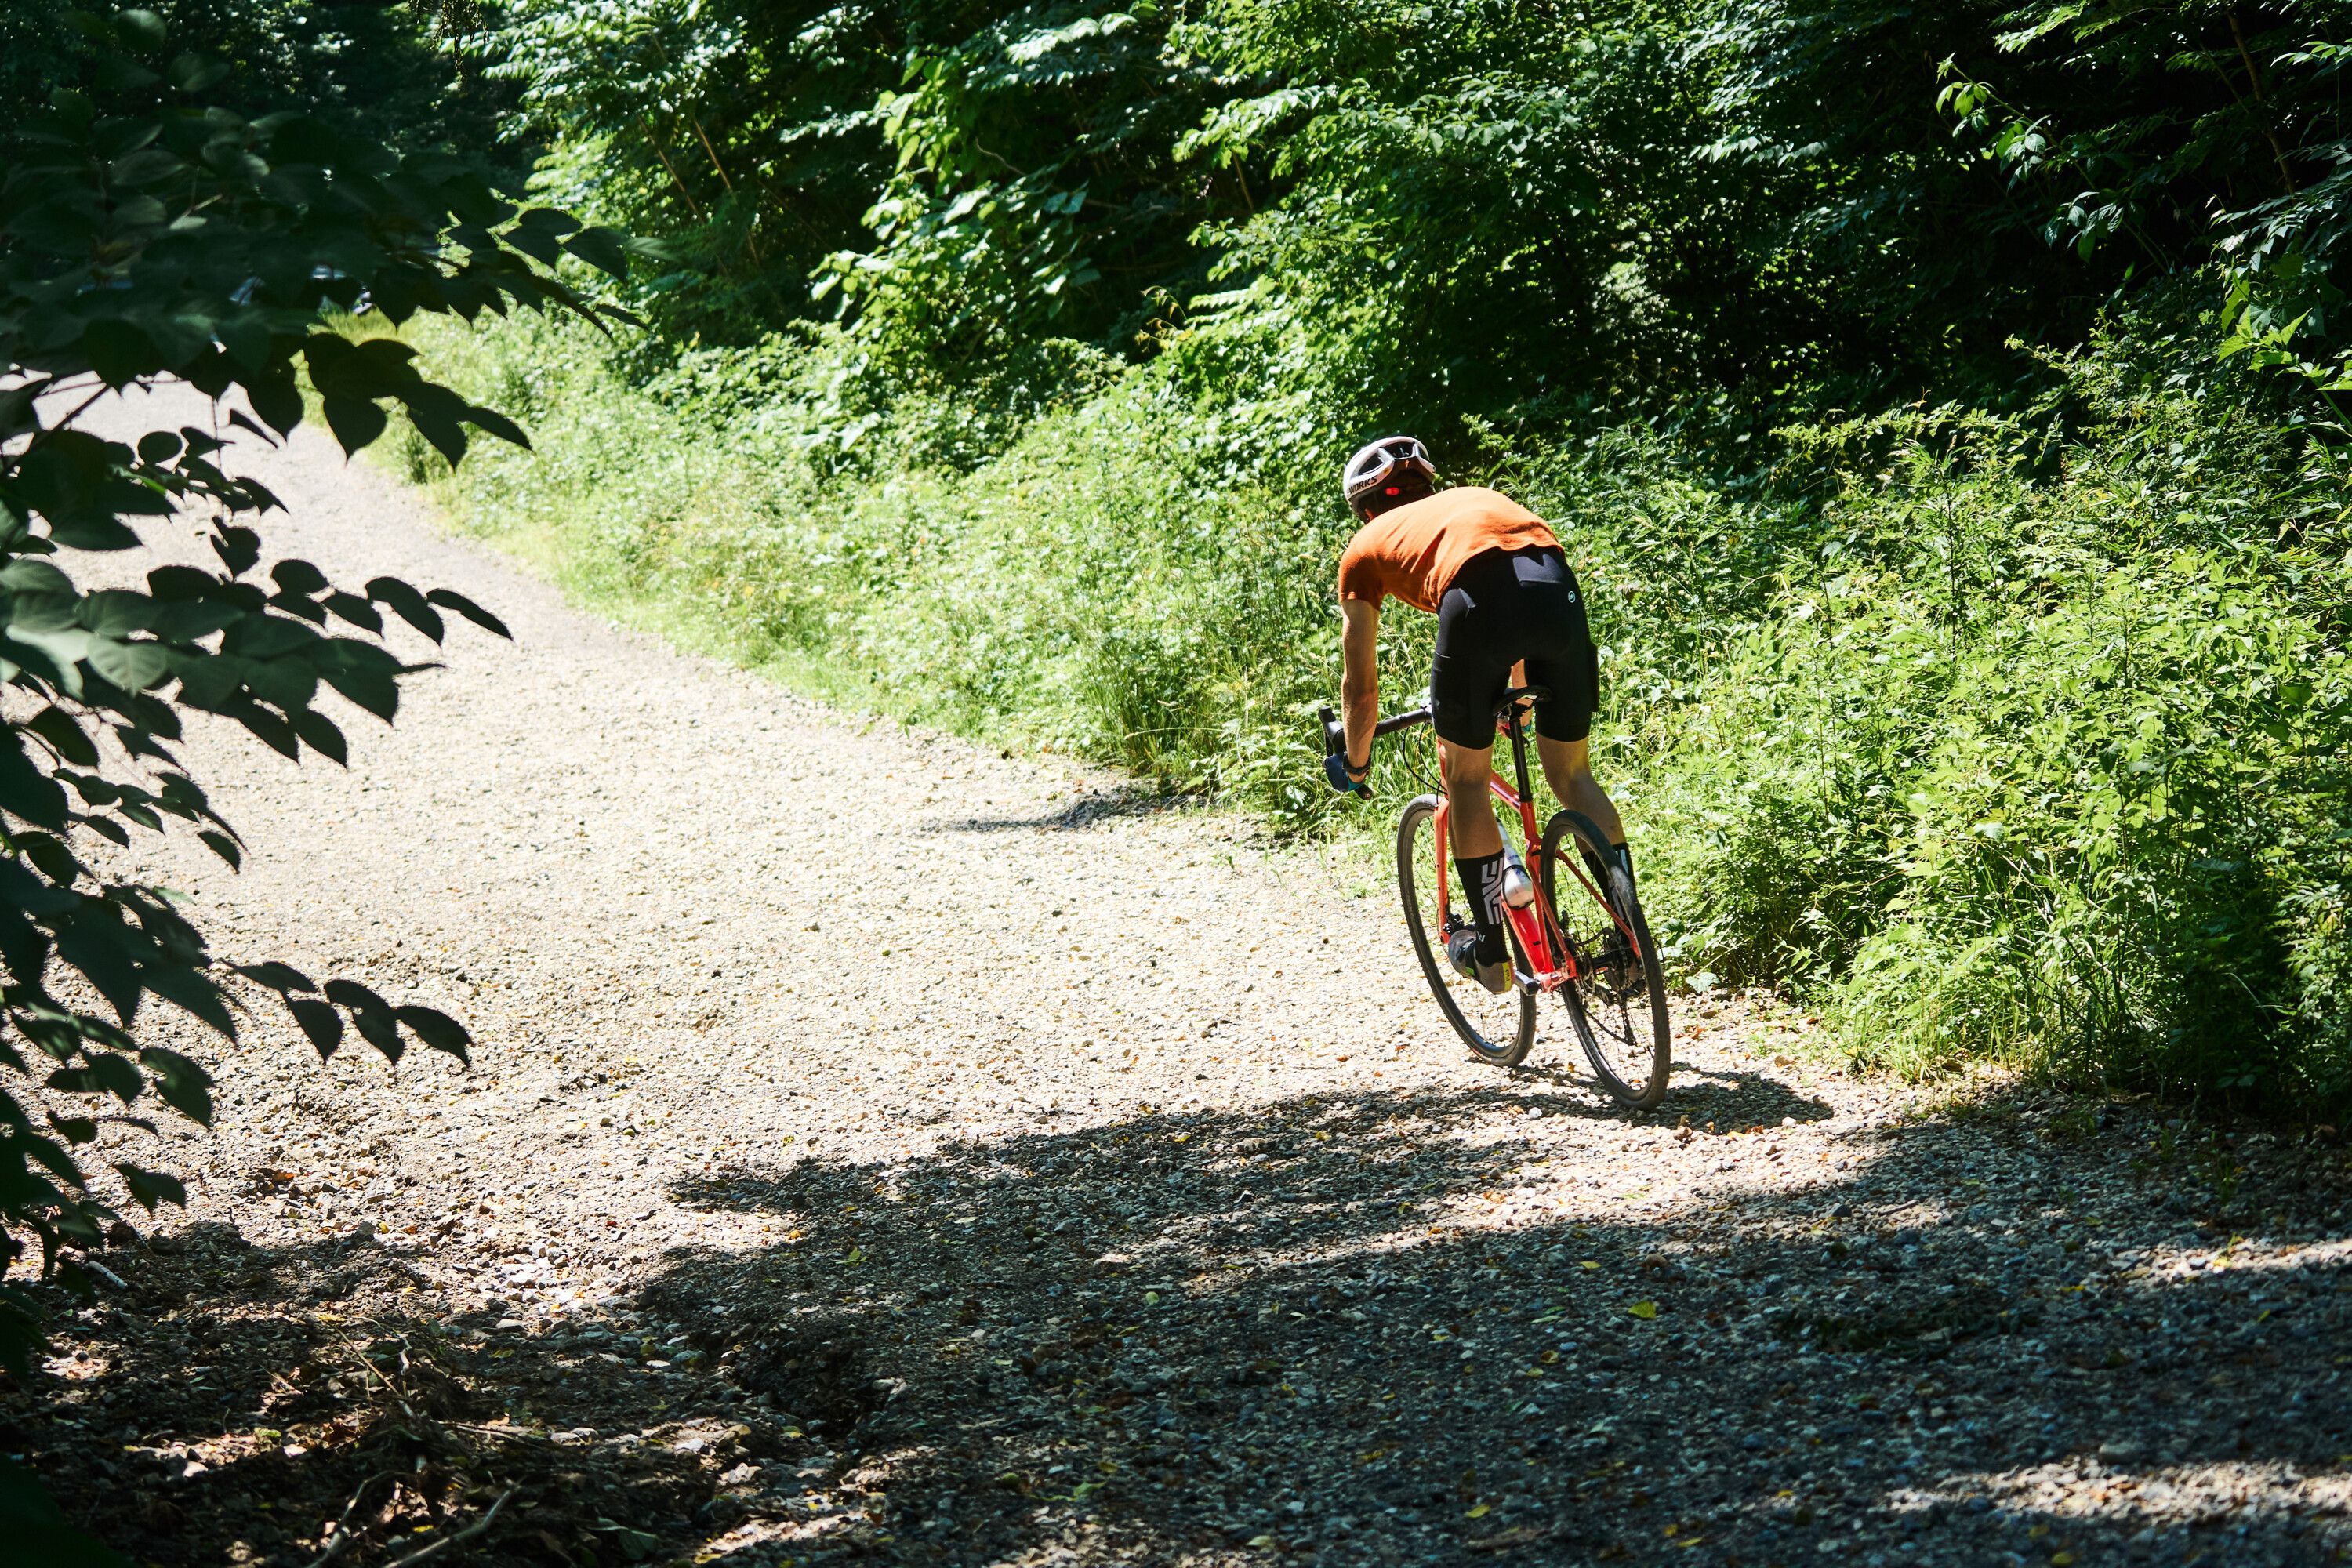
(1618, 1000)
(1497, 1029)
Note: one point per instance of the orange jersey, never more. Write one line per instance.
(1413, 551)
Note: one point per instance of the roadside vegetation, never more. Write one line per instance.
(1942, 408)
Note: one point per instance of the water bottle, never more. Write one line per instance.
(1519, 888)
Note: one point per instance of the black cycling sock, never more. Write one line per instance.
(1481, 886)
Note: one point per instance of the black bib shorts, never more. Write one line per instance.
(1505, 605)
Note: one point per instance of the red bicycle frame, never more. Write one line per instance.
(1535, 925)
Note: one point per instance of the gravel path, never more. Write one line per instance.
(876, 1146)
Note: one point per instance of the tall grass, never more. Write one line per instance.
(1996, 742)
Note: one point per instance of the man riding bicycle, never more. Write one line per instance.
(1508, 613)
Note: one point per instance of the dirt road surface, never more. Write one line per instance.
(878, 1148)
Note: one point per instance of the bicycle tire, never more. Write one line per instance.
(1492, 1036)
(1618, 1002)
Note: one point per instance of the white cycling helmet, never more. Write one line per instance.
(1383, 466)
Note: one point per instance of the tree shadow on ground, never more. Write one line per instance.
(1701, 1098)
(1293, 1331)
(225, 1399)
(1324, 1330)
(1084, 811)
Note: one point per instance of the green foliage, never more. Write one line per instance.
(2036, 770)
(1935, 400)
(966, 175)
(147, 232)
(38, 1533)
(1459, 185)
(374, 70)
(1991, 753)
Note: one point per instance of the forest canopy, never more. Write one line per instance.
(1460, 207)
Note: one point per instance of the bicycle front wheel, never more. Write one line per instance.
(1497, 1029)
(1618, 999)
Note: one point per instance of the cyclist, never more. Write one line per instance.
(1508, 613)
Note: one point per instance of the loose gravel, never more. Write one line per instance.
(879, 1147)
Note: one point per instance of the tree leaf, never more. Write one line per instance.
(36, 1532)
(119, 352)
(321, 735)
(100, 949)
(132, 666)
(62, 731)
(355, 610)
(115, 612)
(605, 249)
(379, 1029)
(277, 400)
(356, 421)
(353, 995)
(238, 549)
(74, 1129)
(28, 792)
(297, 577)
(101, 1072)
(88, 530)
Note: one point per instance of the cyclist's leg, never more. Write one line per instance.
(1466, 678)
(1569, 667)
(1568, 768)
(1472, 814)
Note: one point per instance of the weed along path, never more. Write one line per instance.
(876, 1147)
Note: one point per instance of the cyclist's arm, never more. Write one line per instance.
(1360, 681)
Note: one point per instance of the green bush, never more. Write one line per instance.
(1995, 748)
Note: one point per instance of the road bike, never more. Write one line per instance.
(1594, 953)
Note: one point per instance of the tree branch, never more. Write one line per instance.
(472, 1530)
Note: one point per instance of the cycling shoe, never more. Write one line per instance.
(1462, 949)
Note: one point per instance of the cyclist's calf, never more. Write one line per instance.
(1568, 768)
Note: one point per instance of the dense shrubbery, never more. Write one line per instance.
(1936, 402)
(2003, 752)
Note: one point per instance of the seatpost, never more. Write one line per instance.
(1520, 753)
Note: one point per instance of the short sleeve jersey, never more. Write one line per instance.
(1413, 551)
